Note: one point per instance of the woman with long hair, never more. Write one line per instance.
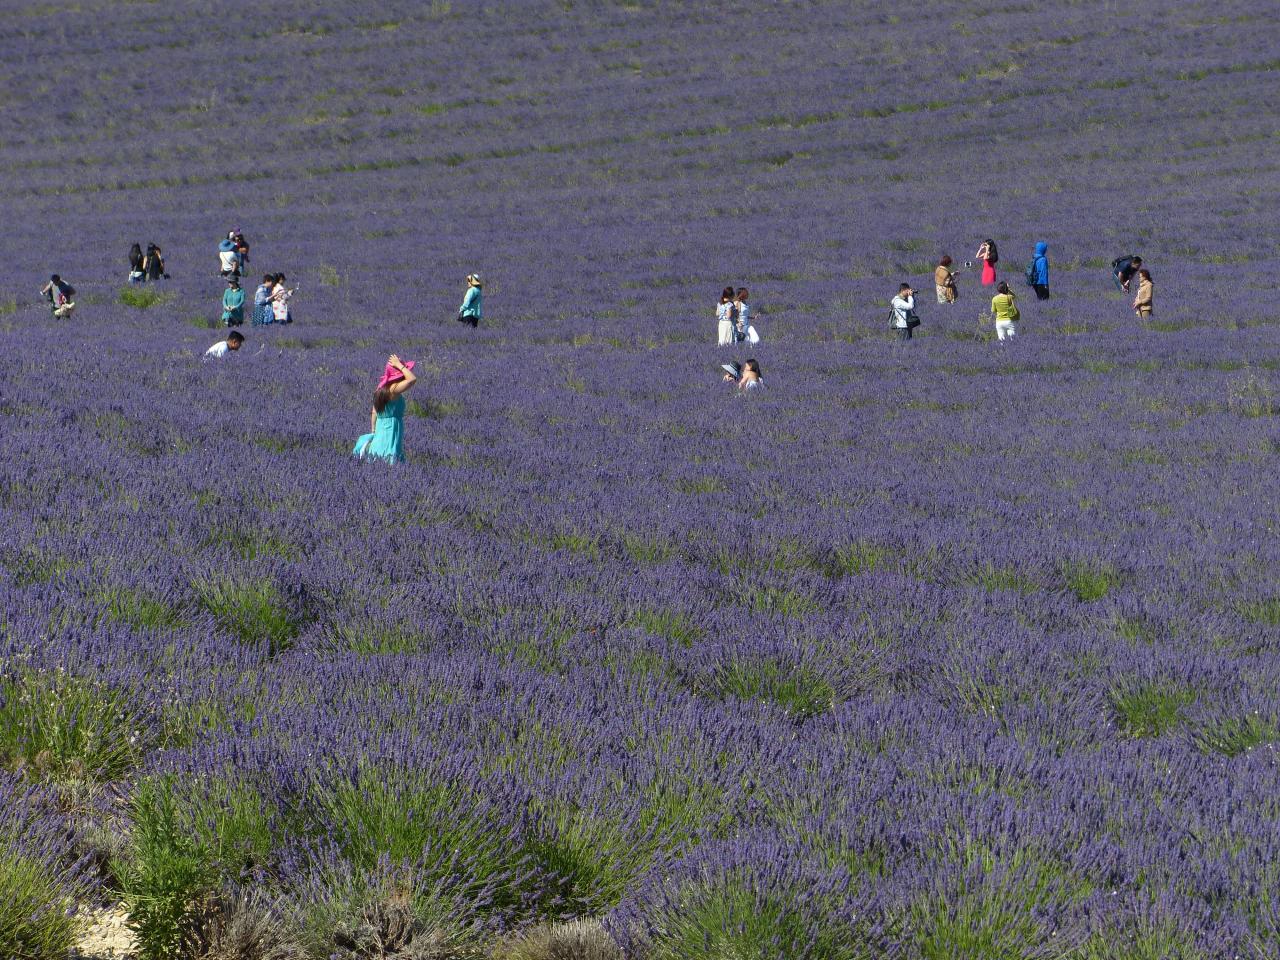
(726, 315)
(1145, 295)
(136, 274)
(990, 257)
(385, 439)
(280, 296)
(153, 263)
(944, 281)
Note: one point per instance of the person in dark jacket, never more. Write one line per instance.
(153, 264)
(135, 264)
(1038, 272)
(1123, 269)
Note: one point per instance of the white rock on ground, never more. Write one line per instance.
(105, 937)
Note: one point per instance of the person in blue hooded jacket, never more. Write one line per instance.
(1038, 271)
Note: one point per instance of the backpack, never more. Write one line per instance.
(1031, 273)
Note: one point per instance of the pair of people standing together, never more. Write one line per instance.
(270, 300)
(733, 318)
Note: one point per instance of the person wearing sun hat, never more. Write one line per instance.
(745, 376)
(385, 439)
(470, 311)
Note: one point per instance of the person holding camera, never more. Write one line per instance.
(944, 281)
(1004, 310)
(904, 318)
(990, 257)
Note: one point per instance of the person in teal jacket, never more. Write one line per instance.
(385, 439)
(470, 311)
(233, 304)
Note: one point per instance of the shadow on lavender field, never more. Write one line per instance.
(941, 649)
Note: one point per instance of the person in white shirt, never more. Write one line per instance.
(746, 377)
(725, 312)
(743, 321)
(224, 347)
(904, 312)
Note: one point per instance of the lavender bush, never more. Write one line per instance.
(948, 648)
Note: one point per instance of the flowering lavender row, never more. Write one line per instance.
(938, 649)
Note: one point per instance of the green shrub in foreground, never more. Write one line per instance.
(35, 918)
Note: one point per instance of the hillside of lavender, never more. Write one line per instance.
(943, 649)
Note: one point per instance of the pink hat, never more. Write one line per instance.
(391, 374)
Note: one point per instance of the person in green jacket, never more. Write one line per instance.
(233, 304)
(470, 311)
(1004, 308)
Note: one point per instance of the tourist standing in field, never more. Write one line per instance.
(944, 281)
(136, 273)
(241, 245)
(725, 317)
(280, 297)
(742, 318)
(1146, 292)
(385, 439)
(262, 312)
(224, 347)
(1004, 310)
(989, 256)
(904, 318)
(472, 309)
(61, 296)
(1038, 271)
(153, 264)
(1123, 269)
(233, 304)
(229, 258)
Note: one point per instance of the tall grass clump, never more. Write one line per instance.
(35, 912)
(41, 881)
(143, 298)
(253, 610)
(65, 728)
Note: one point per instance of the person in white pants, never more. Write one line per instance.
(725, 317)
(1004, 309)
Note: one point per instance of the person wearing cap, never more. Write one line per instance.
(233, 303)
(224, 347)
(385, 439)
(745, 376)
(471, 309)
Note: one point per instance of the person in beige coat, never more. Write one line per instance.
(1142, 301)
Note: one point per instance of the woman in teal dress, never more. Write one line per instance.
(385, 439)
(233, 304)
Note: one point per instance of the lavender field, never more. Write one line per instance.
(929, 650)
